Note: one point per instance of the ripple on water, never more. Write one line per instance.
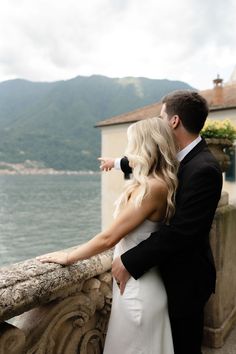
(39, 214)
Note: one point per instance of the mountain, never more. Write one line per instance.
(53, 123)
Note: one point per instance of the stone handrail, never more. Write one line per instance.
(60, 310)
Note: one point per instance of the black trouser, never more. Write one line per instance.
(187, 334)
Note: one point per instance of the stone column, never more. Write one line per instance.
(220, 312)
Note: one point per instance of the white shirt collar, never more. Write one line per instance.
(181, 154)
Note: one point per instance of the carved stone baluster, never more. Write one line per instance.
(12, 339)
(76, 324)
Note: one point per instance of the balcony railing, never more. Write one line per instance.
(60, 310)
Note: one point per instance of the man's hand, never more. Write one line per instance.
(106, 163)
(120, 274)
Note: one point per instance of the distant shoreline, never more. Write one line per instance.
(46, 172)
(35, 168)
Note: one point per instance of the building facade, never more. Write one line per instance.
(222, 103)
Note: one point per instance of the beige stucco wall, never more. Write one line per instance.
(114, 141)
(226, 114)
(230, 187)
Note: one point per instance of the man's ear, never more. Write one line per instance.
(175, 121)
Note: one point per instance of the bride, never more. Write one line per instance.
(139, 322)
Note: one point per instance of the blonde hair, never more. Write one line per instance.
(151, 152)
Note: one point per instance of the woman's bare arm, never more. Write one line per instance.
(127, 221)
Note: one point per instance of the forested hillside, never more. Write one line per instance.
(53, 123)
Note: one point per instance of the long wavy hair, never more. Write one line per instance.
(151, 152)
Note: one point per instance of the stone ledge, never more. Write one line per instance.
(216, 337)
(28, 284)
(68, 325)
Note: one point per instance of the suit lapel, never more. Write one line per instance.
(199, 147)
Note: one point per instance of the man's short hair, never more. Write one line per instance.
(191, 108)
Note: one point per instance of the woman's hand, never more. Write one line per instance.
(59, 257)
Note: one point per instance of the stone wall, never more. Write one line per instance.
(220, 312)
(61, 310)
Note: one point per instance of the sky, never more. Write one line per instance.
(51, 40)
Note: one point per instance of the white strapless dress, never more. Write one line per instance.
(139, 321)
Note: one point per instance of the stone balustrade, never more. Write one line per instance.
(220, 312)
(65, 310)
(55, 309)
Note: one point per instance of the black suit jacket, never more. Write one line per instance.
(181, 250)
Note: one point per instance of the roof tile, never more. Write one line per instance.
(218, 98)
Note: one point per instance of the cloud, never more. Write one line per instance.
(51, 40)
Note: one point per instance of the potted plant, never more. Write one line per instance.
(219, 135)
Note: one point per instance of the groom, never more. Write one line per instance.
(181, 250)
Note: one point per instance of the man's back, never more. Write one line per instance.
(189, 275)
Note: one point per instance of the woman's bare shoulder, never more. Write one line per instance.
(157, 186)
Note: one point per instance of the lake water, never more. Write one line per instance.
(39, 214)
